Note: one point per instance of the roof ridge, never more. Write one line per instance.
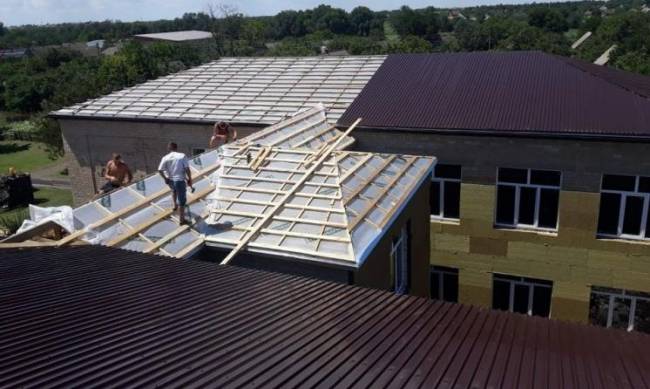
(566, 61)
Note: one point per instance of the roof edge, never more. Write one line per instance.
(511, 133)
(54, 115)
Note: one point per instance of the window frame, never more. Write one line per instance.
(441, 200)
(621, 211)
(513, 281)
(622, 294)
(538, 190)
(399, 251)
(439, 272)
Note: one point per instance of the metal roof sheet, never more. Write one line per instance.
(227, 89)
(503, 92)
(93, 316)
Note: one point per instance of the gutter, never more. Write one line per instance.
(151, 120)
(511, 134)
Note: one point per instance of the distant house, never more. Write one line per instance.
(645, 8)
(455, 14)
(14, 53)
(96, 44)
(188, 36)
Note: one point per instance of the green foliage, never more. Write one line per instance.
(548, 19)
(10, 222)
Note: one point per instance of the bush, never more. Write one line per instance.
(11, 222)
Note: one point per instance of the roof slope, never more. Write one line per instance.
(240, 90)
(93, 316)
(336, 216)
(503, 92)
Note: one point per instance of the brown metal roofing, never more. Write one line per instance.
(503, 92)
(93, 316)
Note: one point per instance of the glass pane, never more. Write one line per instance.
(642, 316)
(435, 286)
(541, 301)
(447, 171)
(519, 176)
(644, 184)
(615, 182)
(633, 215)
(521, 298)
(598, 308)
(548, 208)
(545, 177)
(501, 295)
(452, 199)
(527, 198)
(505, 204)
(149, 186)
(119, 199)
(434, 198)
(450, 287)
(610, 204)
(621, 314)
(180, 242)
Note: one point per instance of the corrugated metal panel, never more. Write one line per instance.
(511, 92)
(94, 316)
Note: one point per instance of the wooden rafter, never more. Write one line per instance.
(294, 189)
(365, 182)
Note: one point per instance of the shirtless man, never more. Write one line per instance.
(223, 132)
(117, 174)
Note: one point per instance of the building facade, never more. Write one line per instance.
(539, 202)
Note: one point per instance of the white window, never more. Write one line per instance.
(619, 308)
(528, 198)
(399, 259)
(523, 295)
(624, 207)
(444, 283)
(444, 197)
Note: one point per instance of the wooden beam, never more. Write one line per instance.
(371, 204)
(143, 226)
(356, 167)
(295, 187)
(303, 235)
(189, 248)
(162, 241)
(283, 123)
(316, 135)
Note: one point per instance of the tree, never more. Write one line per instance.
(360, 20)
(547, 19)
(2, 29)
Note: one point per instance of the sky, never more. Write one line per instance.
(18, 12)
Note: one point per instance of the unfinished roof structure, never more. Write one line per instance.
(289, 190)
(238, 90)
(126, 319)
(504, 93)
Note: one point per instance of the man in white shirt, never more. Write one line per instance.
(174, 168)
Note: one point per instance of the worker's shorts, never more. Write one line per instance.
(180, 191)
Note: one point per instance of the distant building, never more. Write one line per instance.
(186, 37)
(96, 44)
(455, 14)
(14, 53)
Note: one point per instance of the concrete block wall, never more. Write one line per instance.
(88, 145)
(573, 258)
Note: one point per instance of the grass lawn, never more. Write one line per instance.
(43, 197)
(23, 155)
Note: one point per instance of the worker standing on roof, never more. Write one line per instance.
(116, 173)
(222, 134)
(174, 169)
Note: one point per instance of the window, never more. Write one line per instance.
(528, 198)
(624, 207)
(620, 308)
(523, 295)
(444, 196)
(444, 283)
(197, 151)
(399, 259)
